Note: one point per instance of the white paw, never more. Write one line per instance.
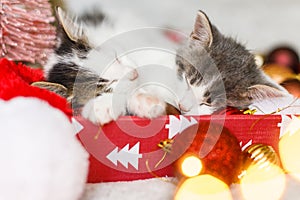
(132, 75)
(102, 109)
(145, 105)
(188, 101)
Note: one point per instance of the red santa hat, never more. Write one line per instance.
(40, 155)
(15, 81)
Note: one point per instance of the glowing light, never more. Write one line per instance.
(259, 60)
(261, 182)
(204, 187)
(191, 166)
(289, 149)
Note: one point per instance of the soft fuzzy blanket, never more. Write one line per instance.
(156, 189)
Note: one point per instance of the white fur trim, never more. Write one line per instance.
(40, 157)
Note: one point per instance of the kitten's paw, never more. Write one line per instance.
(100, 110)
(132, 75)
(145, 105)
(187, 102)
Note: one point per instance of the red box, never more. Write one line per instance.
(124, 150)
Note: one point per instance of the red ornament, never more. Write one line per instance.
(218, 150)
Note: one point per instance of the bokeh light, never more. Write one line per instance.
(259, 60)
(191, 166)
(263, 182)
(204, 187)
(289, 149)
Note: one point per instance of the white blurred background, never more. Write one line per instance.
(259, 24)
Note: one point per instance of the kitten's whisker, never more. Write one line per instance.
(224, 99)
(116, 57)
(219, 95)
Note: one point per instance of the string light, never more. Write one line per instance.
(204, 187)
(191, 166)
(261, 182)
(289, 149)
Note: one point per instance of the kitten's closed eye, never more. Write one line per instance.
(206, 94)
(82, 56)
(207, 99)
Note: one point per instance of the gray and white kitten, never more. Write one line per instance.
(221, 71)
(100, 82)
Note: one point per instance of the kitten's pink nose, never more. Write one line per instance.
(134, 74)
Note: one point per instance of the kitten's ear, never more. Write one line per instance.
(202, 30)
(259, 92)
(53, 87)
(73, 29)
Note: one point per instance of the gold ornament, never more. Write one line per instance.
(166, 145)
(261, 154)
(262, 177)
(249, 112)
(278, 73)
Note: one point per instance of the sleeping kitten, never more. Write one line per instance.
(86, 69)
(221, 71)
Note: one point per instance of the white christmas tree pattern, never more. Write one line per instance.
(285, 123)
(176, 126)
(76, 126)
(125, 156)
(244, 146)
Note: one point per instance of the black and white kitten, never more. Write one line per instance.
(100, 82)
(221, 71)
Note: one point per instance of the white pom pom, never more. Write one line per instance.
(41, 159)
